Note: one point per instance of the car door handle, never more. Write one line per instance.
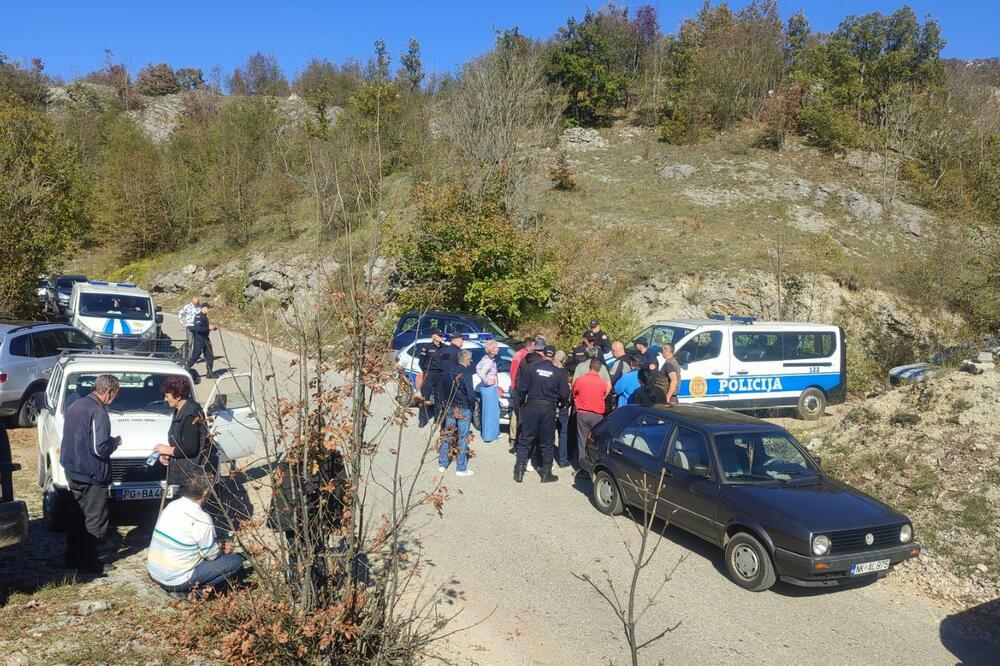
(716, 373)
(616, 451)
(743, 372)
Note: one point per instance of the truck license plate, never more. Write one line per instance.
(869, 567)
(155, 492)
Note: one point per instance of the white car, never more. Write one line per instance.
(407, 362)
(115, 315)
(142, 418)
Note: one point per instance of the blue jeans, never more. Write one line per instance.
(456, 427)
(211, 573)
(562, 455)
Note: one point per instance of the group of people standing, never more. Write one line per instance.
(556, 399)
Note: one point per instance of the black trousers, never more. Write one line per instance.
(538, 423)
(202, 346)
(87, 524)
(430, 389)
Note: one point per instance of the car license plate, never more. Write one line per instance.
(869, 567)
(155, 492)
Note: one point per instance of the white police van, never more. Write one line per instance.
(115, 315)
(742, 364)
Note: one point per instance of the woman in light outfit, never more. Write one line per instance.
(489, 392)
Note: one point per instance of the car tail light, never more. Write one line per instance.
(3, 377)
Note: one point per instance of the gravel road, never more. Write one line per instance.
(507, 554)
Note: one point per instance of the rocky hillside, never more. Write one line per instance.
(933, 450)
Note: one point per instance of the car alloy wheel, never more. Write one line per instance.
(745, 562)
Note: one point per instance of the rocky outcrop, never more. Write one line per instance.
(677, 171)
(583, 138)
(296, 283)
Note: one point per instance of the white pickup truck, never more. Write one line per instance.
(142, 418)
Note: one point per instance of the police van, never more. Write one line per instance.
(115, 315)
(742, 364)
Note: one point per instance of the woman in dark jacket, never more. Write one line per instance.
(188, 451)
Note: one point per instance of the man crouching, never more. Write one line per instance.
(184, 553)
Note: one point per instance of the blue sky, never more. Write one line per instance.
(70, 36)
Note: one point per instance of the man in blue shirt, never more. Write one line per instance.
(459, 398)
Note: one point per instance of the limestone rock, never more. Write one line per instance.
(677, 171)
(583, 138)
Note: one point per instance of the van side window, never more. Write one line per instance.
(808, 344)
(749, 346)
(408, 324)
(19, 346)
(704, 346)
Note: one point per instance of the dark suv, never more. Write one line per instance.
(415, 325)
(747, 486)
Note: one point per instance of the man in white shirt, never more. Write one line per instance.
(186, 317)
(184, 553)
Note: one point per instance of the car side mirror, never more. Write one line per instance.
(684, 357)
(158, 318)
(157, 309)
(699, 470)
(218, 404)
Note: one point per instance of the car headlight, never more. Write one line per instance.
(821, 544)
(906, 533)
(148, 333)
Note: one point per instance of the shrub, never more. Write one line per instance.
(560, 175)
(828, 127)
(258, 75)
(464, 253)
(904, 418)
(156, 80)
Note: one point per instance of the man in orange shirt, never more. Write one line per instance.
(589, 392)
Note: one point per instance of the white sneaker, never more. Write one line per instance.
(467, 472)
(530, 467)
(442, 469)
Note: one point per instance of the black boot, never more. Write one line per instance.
(548, 476)
(519, 472)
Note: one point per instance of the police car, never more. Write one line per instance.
(115, 315)
(742, 364)
(407, 362)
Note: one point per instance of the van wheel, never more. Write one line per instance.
(749, 564)
(812, 404)
(607, 497)
(28, 416)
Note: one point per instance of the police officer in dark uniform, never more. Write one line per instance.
(578, 354)
(543, 390)
(601, 338)
(431, 368)
(202, 342)
(447, 356)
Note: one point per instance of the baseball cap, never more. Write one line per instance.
(437, 331)
(550, 351)
(204, 305)
(588, 335)
(642, 341)
(456, 335)
(539, 343)
(594, 322)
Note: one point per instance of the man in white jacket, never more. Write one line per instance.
(186, 317)
(184, 553)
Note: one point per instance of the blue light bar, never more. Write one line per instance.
(741, 320)
(99, 283)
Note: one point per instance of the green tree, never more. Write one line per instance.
(156, 80)
(190, 78)
(133, 206)
(324, 84)
(467, 253)
(27, 84)
(43, 203)
(412, 71)
(588, 59)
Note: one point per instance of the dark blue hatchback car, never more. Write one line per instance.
(415, 325)
(748, 487)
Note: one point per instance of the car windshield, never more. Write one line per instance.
(487, 325)
(138, 392)
(67, 282)
(661, 334)
(117, 306)
(762, 457)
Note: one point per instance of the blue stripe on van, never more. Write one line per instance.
(109, 326)
(126, 328)
(762, 384)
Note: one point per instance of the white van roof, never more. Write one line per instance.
(101, 287)
(106, 362)
(744, 322)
